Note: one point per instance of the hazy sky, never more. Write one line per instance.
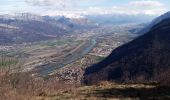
(84, 7)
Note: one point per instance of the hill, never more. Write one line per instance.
(145, 59)
(154, 22)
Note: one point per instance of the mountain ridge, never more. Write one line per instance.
(26, 27)
(144, 59)
(154, 22)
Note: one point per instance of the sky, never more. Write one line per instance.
(85, 7)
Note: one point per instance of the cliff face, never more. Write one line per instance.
(144, 59)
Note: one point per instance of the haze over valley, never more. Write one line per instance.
(45, 40)
(76, 50)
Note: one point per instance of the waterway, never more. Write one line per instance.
(74, 56)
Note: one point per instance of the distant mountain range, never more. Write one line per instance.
(25, 27)
(116, 19)
(145, 59)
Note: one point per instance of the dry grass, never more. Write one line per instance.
(110, 91)
(24, 86)
(21, 86)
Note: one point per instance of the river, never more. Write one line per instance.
(77, 54)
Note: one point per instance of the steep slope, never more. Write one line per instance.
(144, 59)
(154, 22)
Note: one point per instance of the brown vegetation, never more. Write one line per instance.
(111, 91)
(17, 85)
